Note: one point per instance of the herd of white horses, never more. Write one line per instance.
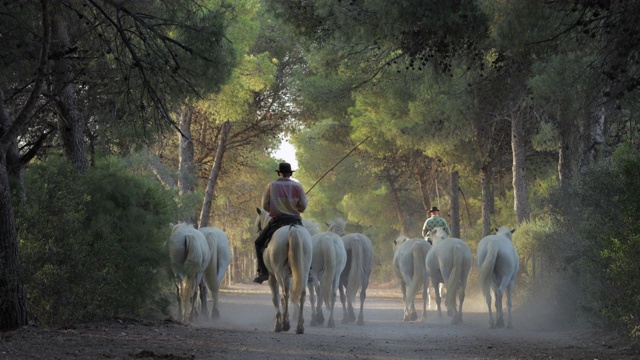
(328, 262)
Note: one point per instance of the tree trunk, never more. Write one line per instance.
(213, 177)
(454, 205)
(71, 124)
(186, 177)
(13, 300)
(520, 199)
(14, 165)
(486, 200)
(565, 153)
(396, 199)
(424, 192)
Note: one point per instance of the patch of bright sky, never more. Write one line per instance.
(287, 152)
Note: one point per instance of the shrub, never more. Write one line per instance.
(91, 244)
(598, 219)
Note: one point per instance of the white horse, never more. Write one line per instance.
(329, 260)
(190, 257)
(288, 259)
(220, 258)
(449, 262)
(410, 270)
(356, 272)
(498, 266)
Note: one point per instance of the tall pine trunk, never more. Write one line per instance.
(424, 191)
(519, 170)
(13, 300)
(454, 204)
(402, 219)
(213, 177)
(71, 123)
(186, 177)
(487, 194)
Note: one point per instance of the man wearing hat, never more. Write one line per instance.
(433, 222)
(284, 199)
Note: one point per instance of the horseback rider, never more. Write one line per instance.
(284, 199)
(434, 221)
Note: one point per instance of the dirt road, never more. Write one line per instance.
(245, 332)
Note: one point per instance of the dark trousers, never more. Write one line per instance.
(265, 236)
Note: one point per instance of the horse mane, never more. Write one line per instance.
(337, 226)
(312, 226)
(400, 240)
(506, 232)
(175, 227)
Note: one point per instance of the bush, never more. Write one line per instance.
(91, 244)
(598, 219)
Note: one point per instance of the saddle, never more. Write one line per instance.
(277, 224)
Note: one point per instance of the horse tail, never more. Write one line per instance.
(224, 254)
(455, 277)
(329, 272)
(485, 272)
(192, 266)
(356, 272)
(211, 272)
(296, 262)
(419, 253)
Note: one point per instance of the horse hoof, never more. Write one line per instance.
(286, 327)
(331, 323)
(414, 317)
(300, 330)
(360, 322)
(278, 328)
(215, 314)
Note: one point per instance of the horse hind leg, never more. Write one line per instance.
(319, 313)
(331, 323)
(499, 312)
(286, 326)
(203, 299)
(509, 296)
(300, 325)
(276, 305)
(458, 318)
(363, 296)
(343, 299)
(312, 300)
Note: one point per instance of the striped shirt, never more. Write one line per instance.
(284, 197)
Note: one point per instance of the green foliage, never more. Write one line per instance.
(91, 245)
(598, 226)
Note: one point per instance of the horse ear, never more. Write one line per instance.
(171, 225)
(258, 210)
(495, 229)
(513, 230)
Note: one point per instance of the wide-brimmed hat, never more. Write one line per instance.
(434, 209)
(284, 168)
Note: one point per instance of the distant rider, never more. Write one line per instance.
(433, 222)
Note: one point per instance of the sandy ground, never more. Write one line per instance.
(245, 331)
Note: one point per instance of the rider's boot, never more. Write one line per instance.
(262, 274)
